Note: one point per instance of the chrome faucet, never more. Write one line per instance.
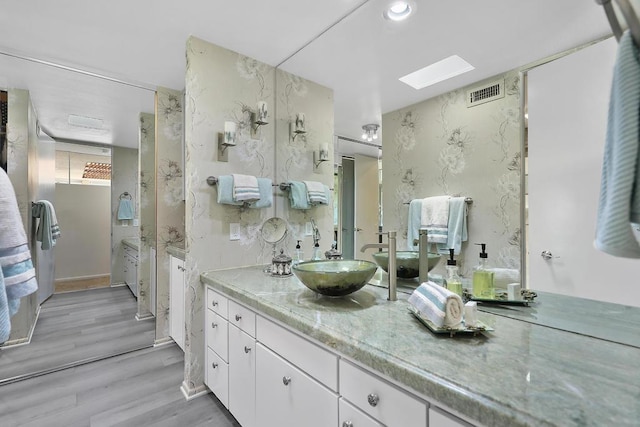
(423, 256)
(391, 247)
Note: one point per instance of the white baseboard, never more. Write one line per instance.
(76, 278)
(193, 393)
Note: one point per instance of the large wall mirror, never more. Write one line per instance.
(434, 143)
(88, 149)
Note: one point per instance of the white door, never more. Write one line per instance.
(367, 203)
(176, 300)
(568, 103)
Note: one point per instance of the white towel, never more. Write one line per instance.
(620, 187)
(435, 218)
(441, 306)
(316, 193)
(245, 188)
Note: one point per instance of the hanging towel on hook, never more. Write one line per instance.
(125, 209)
(619, 205)
(17, 275)
(48, 231)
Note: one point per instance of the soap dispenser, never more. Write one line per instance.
(483, 286)
(453, 280)
(298, 256)
(317, 253)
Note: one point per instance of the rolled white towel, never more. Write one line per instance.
(441, 306)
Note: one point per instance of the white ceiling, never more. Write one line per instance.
(361, 57)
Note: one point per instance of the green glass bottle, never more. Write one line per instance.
(453, 281)
(483, 286)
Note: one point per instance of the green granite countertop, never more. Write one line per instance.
(177, 252)
(521, 374)
(132, 242)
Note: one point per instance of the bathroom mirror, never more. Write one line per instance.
(95, 320)
(367, 90)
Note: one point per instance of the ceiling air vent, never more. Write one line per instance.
(486, 93)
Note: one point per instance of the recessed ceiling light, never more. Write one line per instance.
(85, 122)
(398, 11)
(437, 72)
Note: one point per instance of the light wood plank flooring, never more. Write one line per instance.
(77, 326)
(140, 388)
(82, 284)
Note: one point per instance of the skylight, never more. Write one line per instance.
(437, 72)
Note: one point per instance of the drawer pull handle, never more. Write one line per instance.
(238, 317)
(347, 424)
(373, 399)
(247, 349)
(214, 303)
(214, 325)
(286, 380)
(214, 365)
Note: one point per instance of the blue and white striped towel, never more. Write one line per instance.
(245, 188)
(441, 306)
(620, 187)
(316, 193)
(435, 218)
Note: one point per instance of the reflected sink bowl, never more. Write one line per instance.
(407, 265)
(335, 278)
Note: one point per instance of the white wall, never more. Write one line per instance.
(83, 213)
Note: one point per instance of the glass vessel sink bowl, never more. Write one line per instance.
(335, 278)
(407, 265)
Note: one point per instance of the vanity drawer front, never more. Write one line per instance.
(440, 418)
(243, 318)
(379, 399)
(350, 416)
(217, 303)
(217, 334)
(312, 359)
(217, 377)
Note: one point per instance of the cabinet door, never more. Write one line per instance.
(242, 377)
(350, 416)
(176, 300)
(287, 396)
(440, 418)
(217, 334)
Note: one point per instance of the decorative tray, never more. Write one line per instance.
(501, 298)
(461, 329)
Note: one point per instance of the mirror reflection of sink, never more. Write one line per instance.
(407, 262)
(335, 277)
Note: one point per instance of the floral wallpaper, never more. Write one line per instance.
(124, 177)
(169, 192)
(222, 85)
(21, 139)
(147, 212)
(442, 147)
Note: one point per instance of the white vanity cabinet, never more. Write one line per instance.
(176, 300)
(242, 364)
(130, 262)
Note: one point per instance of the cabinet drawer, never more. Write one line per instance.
(353, 417)
(379, 399)
(217, 303)
(312, 359)
(217, 334)
(286, 396)
(440, 418)
(242, 317)
(217, 377)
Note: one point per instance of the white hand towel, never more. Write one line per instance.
(441, 306)
(435, 218)
(316, 192)
(245, 188)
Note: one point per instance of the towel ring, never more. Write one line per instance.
(126, 195)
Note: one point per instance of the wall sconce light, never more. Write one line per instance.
(259, 118)
(322, 155)
(370, 132)
(226, 139)
(297, 127)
